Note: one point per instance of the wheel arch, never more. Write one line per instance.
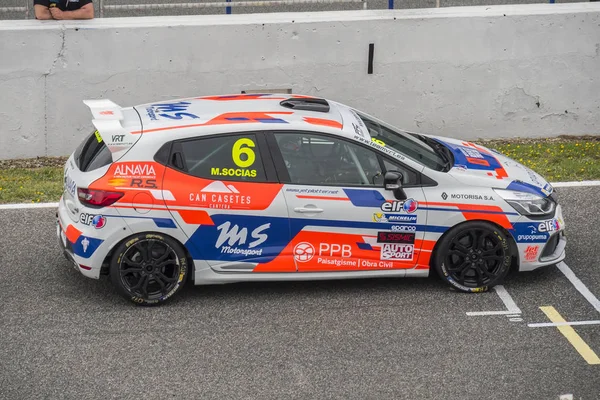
(514, 264)
(105, 269)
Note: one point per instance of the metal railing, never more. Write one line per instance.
(219, 4)
(24, 9)
(227, 4)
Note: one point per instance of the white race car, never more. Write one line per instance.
(220, 189)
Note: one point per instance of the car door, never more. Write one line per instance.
(223, 193)
(341, 216)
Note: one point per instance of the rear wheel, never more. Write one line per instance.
(473, 257)
(149, 268)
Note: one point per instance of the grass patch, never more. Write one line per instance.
(31, 185)
(564, 158)
(556, 159)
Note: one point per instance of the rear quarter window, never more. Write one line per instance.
(92, 153)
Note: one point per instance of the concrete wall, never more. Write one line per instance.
(468, 72)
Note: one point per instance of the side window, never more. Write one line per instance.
(322, 160)
(410, 178)
(228, 157)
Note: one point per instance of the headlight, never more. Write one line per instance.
(528, 204)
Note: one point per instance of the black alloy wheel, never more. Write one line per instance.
(473, 257)
(148, 269)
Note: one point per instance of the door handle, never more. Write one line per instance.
(308, 210)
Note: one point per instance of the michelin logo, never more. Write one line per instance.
(381, 217)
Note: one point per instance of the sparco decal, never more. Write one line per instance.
(404, 228)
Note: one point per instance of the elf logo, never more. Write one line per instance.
(549, 226)
(409, 206)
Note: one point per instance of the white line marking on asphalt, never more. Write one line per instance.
(569, 184)
(479, 313)
(507, 300)
(544, 324)
(564, 268)
(511, 306)
(26, 205)
(515, 319)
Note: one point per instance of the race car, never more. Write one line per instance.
(281, 187)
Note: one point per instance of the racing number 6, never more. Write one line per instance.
(238, 150)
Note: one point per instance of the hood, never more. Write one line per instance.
(480, 166)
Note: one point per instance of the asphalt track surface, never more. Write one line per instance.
(64, 336)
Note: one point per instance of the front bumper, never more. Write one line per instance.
(535, 252)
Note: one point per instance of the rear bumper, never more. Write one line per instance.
(68, 252)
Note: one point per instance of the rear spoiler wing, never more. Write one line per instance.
(107, 117)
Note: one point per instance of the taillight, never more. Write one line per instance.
(98, 198)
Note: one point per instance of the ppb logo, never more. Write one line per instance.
(304, 252)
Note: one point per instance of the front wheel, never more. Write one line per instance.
(473, 257)
(149, 268)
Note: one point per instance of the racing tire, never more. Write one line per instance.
(473, 257)
(149, 268)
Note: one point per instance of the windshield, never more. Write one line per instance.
(419, 148)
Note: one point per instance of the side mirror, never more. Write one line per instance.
(393, 181)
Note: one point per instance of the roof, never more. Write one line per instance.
(245, 109)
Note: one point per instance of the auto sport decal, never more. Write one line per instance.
(391, 251)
